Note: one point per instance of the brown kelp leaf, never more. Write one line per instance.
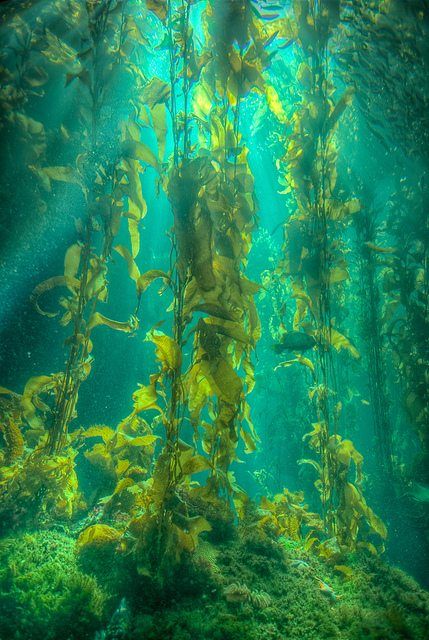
(51, 283)
(146, 397)
(133, 270)
(147, 278)
(97, 319)
(155, 92)
(341, 105)
(194, 464)
(36, 77)
(379, 249)
(159, 120)
(158, 7)
(97, 535)
(100, 431)
(167, 350)
(29, 398)
(139, 151)
(13, 439)
(72, 260)
(339, 341)
(62, 174)
(133, 230)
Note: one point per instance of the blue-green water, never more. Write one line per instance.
(214, 320)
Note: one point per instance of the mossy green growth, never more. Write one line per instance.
(252, 588)
(43, 594)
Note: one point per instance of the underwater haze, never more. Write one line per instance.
(214, 351)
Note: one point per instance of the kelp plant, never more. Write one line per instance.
(315, 263)
(210, 188)
(111, 189)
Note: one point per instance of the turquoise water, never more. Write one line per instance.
(214, 319)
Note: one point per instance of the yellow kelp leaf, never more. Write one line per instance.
(228, 328)
(304, 75)
(318, 429)
(355, 501)
(72, 260)
(345, 451)
(345, 570)
(198, 388)
(62, 174)
(341, 105)
(133, 230)
(158, 7)
(131, 187)
(133, 270)
(97, 535)
(99, 430)
(245, 416)
(146, 397)
(378, 249)
(122, 485)
(13, 439)
(286, 363)
(250, 444)
(339, 341)
(241, 502)
(59, 174)
(274, 104)
(306, 362)
(167, 350)
(33, 387)
(338, 274)
(192, 528)
(147, 278)
(155, 92)
(194, 464)
(139, 151)
(51, 283)
(97, 319)
(159, 121)
(4, 391)
(229, 384)
(143, 441)
(362, 544)
(122, 466)
(312, 463)
(202, 103)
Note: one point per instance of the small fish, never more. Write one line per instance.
(328, 591)
(295, 341)
(301, 565)
(118, 627)
(419, 492)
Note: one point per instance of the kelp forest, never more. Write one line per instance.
(214, 411)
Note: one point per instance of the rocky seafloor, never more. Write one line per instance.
(243, 588)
